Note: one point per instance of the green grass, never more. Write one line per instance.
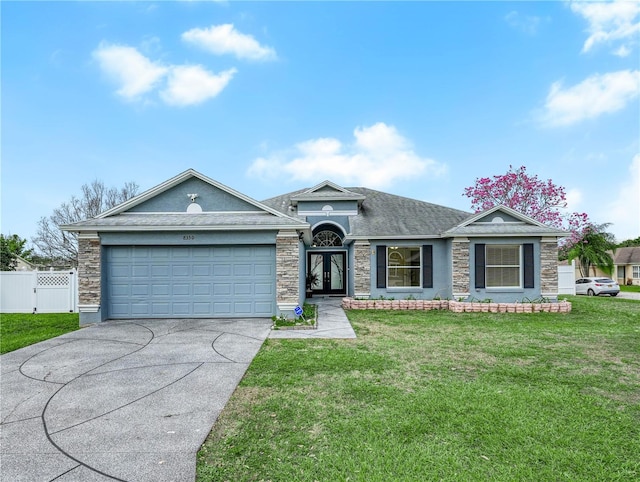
(441, 396)
(630, 288)
(18, 330)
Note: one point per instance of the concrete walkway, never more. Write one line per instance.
(126, 401)
(332, 322)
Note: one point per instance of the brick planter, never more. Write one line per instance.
(456, 306)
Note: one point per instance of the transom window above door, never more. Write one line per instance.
(326, 238)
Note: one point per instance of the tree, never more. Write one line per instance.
(12, 247)
(54, 244)
(593, 248)
(540, 200)
(8, 259)
(629, 243)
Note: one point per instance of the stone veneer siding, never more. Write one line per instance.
(287, 268)
(460, 272)
(89, 265)
(549, 267)
(362, 268)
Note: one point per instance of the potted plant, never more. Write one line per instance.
(312, 279)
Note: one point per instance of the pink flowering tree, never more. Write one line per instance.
(540, 200)
(543, 201)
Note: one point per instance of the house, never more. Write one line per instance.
(193, 247)
(627, 265)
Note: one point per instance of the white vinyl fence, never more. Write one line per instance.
(38, 291)
(567, 279)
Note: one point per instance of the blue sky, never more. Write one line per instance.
(415, 98)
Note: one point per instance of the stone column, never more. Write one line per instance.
(460, 267)
(287, 270)
(89, 278)
(549, 267)
(362, 268)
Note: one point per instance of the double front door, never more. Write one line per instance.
(330, 272)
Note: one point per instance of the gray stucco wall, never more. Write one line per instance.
(336, 205)
(507, 218)
(505, 295)
(441, 271)
(210, 198)
(342, 221)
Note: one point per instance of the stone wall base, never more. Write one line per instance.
(456, 306)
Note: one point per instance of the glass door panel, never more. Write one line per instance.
(337, 272)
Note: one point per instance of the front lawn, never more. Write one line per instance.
(18, 330)
(630, 288)
(441, 396)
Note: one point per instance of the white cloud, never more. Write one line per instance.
(574, 200)
(594, 96)
(178, 85)
(609, 22)
(525, 23)
(135, 73)
(192, 84)
(225, 39)
(624, 211)
(378, 157)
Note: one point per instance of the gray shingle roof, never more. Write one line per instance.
(502, 229)
(388, 215)
(249, 220)
(628, 255)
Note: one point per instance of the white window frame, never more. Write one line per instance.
(390, 249)
(520, 265)
(635, 271)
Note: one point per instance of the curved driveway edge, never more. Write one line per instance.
(129, 400)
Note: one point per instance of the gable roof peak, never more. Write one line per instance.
(178, 179)
(327, 190)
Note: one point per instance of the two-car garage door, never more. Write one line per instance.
(198, 281)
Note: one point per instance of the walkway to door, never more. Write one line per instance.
(332, 322)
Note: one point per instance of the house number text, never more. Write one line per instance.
(188, 237)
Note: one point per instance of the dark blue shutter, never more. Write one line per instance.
(479, 265)
(381, 267)
(427, 266)
(529, 281)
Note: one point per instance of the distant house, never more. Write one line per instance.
(24, 265)
(192, 247)
(627, 265)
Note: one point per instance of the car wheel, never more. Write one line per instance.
(590, 292)
(614, 294)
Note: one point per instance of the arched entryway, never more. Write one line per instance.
(327, 261)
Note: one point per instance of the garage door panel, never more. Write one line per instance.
(264, 308)
(263, 269)
(201, 281)
(181, 289)
(183, 309)
(243, 308)
(201, 270)
(242, 289)
(181, 270)
(140, 290)
(160, 271)
(140, 309)
(202, 289)
(242, 270)
(202, 308)
(223, 270)
(139, 271)
(263, 289)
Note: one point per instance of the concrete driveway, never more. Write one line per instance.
(126, 401)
